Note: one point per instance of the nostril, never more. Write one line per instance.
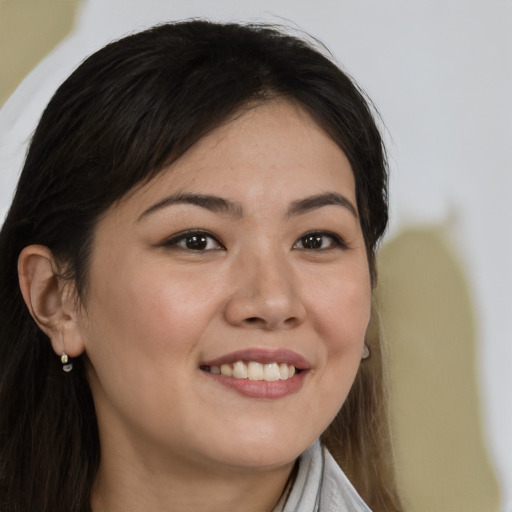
(257, 321)
(253, 320)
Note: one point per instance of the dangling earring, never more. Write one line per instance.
(366, 352)
(67, 365)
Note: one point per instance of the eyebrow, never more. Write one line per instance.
(308, 204)
(213, 203)
(218, 204)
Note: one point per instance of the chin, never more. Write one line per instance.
(266, 450)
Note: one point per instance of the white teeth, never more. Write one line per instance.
(255, 371)
(226, 370)
(271, 372)
(240, 370)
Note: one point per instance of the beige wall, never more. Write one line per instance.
(429, 325)
(441, 457)
(29, 30)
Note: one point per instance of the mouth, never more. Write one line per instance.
(259, 373)
(254, 370)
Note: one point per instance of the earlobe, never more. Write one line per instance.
(48, 300)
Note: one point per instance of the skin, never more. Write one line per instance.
(172, 437)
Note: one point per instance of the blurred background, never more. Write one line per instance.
(440, 74)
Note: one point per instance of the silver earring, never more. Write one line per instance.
(67, 365)
(366, 352)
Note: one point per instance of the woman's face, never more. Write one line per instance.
(245, 256)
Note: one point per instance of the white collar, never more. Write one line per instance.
(321, 486)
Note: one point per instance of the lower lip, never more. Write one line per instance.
(261, 388)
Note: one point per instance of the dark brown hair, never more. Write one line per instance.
(126, 113)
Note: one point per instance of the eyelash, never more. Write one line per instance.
(336, 241)
(200, 236)
(205, 238)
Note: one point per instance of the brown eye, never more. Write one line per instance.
(312, 242)
(195, 241)
(318, 241)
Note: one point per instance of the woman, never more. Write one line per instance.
(194, 236)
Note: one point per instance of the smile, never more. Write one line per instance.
(259, 373)
(254, 370)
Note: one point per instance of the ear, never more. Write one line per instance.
(50, 300)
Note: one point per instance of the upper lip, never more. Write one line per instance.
(263, 356)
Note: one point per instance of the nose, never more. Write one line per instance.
(265, 295)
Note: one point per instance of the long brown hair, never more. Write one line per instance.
(359, 438)
(126, 113)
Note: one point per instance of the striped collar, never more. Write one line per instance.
(321, 486)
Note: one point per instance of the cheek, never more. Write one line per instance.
(342, 313)
(146, 312)
(342, 306)
(142, 326)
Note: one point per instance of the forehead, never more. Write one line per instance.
(274, 150)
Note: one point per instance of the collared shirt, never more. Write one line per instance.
(321, 486)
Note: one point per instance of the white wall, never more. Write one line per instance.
(440, 73)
